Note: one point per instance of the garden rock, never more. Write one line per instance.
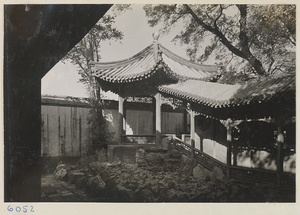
(124, 193)
(217, 175)
(201, 173)
(96, 184)
(140, 157)
(61, 172)
(101, 155)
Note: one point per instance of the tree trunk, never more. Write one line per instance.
(257, 65)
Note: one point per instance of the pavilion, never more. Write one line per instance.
(143, 74)
(156, 72)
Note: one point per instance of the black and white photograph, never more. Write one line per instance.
(149, 103)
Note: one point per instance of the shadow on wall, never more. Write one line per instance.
(255, 141)
(257, 147)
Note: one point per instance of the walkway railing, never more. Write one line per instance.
(207, 161)
(203, 159)
(235, 172)
(185, 148)
(261, 175)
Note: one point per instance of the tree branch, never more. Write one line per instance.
(81, 66)
(216, 32)
(244, 52)
(221, 12)
(271, 64)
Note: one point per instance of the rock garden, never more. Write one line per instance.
(161, 176)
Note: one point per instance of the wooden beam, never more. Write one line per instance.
(158, 118)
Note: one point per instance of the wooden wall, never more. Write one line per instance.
(65, 130)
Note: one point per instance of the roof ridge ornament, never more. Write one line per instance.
(155, 36)
(157, 52)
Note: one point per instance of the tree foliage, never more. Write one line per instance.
(87, 50)
(255, 40)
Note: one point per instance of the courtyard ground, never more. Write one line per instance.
(156, 176)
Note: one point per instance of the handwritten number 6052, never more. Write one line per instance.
(19, 209)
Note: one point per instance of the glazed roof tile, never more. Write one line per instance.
(223, 95)
(143, 65)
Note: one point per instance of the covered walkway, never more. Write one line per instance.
(210, 107)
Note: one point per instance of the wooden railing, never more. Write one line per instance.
(181, 146)
(261, 175)
(252, 175)
(208, 161)
(203, 159)
(235, 172)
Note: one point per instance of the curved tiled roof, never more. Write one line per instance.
(139, 66)
(186, 69)
(223, 95)
(143, 65)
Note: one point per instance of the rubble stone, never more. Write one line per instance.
(61, 172)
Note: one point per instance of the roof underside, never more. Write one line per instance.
(143, 65)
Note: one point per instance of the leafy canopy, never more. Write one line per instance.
(251, 40)
(88, 49)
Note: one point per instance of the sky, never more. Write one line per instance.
(62, 79)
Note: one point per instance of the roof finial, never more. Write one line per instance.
(155, 36)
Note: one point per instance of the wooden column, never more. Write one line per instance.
(121, 118)
(184, 120)
(201, 143)
(154, 115)
(158, 118)
(280, 142)
(229, 143)
(124, 115)
(235, 154)
(192, 133)
(235, 148)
